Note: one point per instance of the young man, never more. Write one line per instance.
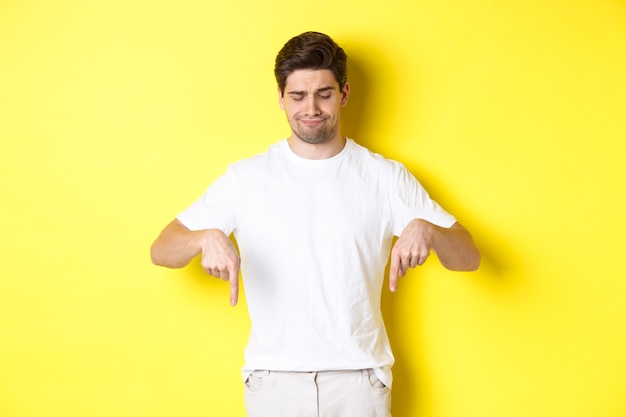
(314, 218)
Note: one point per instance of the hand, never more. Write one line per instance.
(411, 249)
(221, 260)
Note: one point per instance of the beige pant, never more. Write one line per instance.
(316, 394)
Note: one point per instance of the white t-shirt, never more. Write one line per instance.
(314, 238)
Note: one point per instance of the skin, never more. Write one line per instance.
(176, 246)
(312, 101)
(454, 248)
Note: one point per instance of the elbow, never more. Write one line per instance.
(472, 261)
(159, 258)
(468, 263)
(464, 255)
(155, 257)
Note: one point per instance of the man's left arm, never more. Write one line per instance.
(454, 247)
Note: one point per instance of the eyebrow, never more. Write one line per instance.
(319, 90)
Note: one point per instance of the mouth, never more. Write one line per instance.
(311, 122)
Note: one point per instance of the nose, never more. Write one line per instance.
(312, 106)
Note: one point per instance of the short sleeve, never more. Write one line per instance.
(410, 201)
(215, 209)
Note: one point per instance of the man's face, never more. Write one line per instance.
(312, 101)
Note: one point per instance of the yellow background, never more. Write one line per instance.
(115, 115)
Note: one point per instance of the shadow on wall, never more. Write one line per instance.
(359, 118)
(355, 115)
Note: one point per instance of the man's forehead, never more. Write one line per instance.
(311, 79)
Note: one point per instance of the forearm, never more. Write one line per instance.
(455, 248)
(176, 246)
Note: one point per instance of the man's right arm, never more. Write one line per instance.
(176, 246)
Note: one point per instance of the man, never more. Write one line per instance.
(314, 218)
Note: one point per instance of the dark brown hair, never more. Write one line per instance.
(310, 50)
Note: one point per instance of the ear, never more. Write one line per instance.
(280, 99)
(345, 93)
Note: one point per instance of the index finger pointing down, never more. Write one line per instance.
(233, 279)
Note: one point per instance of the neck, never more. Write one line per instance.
(323, 150)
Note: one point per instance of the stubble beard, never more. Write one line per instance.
(314, 135)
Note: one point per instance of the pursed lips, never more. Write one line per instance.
(311, 122)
